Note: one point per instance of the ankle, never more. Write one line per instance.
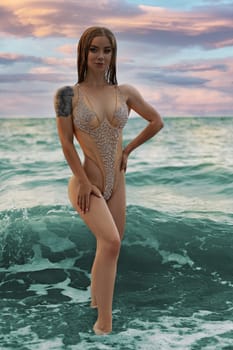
(103, 327)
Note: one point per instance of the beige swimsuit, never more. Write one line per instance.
(104, 144)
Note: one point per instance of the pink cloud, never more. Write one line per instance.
(208, 28)
(10, 58)
(174, 89)
(41, 76)
(25, 105)
(189, 87)
(69, 50)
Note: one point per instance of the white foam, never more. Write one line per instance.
(174, 257)
(31, 339)
(171, 332)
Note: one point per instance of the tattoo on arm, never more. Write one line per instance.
(63, 101)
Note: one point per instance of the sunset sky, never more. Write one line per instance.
(178, 53)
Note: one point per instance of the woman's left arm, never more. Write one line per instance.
(137, 103)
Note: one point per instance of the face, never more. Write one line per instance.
(99, 55)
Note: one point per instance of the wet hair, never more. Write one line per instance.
(83, 49)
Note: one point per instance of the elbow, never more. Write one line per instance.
(160, 124)
(157, 125)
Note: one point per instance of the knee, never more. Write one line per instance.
(112, 247)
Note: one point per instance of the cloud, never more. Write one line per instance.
(67, 49)
(27, 105)
(157, 50)
(45, 65)
(8, 59)
(42, 77)
(196, 66)
(24, 91)
(59, 18)
(11, 24)
(207, 26)
(173, 79)
(187, 88)
(193, 87)
(190, 73)
(163, 27)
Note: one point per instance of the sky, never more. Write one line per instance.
(177, 53)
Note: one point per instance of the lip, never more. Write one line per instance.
(100, 66)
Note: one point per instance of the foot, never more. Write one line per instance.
(100, 331)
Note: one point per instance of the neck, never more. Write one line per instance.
(95, 80)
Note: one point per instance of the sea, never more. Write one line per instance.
(174, 286)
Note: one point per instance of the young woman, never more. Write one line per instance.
(95, 111)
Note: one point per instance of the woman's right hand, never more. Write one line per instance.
(84, 192)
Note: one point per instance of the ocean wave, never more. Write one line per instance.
(192, 175)
(174, 280)
(160, 239)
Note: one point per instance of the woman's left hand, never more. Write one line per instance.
(124, 160)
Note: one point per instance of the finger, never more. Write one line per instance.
(87, 202)
(122, 165)
(79, 201)
(96, 192)
(82, 204)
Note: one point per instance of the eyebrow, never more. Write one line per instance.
(106, 47)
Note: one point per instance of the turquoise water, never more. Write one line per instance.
(174, 287)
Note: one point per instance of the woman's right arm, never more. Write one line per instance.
(63, 108)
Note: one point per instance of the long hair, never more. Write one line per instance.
(83, 49)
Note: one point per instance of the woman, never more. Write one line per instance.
(95, 111)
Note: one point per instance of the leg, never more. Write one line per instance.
(102, 225)
(117, 205)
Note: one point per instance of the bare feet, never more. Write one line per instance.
(100, 331)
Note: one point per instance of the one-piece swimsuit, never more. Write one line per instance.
(106, 136)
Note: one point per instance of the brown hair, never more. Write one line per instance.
(83, 49)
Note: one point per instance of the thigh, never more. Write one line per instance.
(117, 205)
(99, 218)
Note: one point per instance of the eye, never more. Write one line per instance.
(93, 49)
(108, 50)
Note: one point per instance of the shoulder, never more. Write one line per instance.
(126, 88)
(63, 101)
(130, 92)
(65, 91)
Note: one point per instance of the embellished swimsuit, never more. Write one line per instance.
(105, 137)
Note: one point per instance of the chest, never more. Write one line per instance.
(91, 110)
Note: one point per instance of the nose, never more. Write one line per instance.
(101, 55)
